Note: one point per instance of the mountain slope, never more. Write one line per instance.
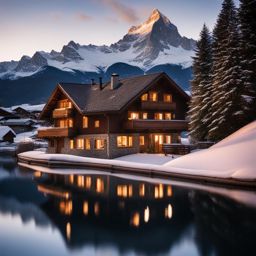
(154, 42)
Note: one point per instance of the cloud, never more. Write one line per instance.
(83, 17)
(123, 11)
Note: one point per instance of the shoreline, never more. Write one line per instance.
(136, 169)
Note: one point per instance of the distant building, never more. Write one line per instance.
(6, 114)
(121, 117)
(6, 134)
(19, 125)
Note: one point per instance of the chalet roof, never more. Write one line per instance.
(91, 99)
(4, 130)
(17, 122)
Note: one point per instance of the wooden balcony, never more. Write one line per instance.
(158, 105)
(55, 132)
(62, 112)
(139, 124)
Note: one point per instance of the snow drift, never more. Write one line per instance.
(232, 157)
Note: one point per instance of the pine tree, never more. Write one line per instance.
(247, 18)
(227, 110)
(201, 88)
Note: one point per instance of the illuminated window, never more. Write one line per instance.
(135, 219)
(97, 124)
(68, 231)
(87, 144)
(85, 122)
(133, 115)
(173, 116)
(64, 104)
(167, 116)
(168, 139)
(168, 211)
(96, 208)
(159, 191)
(85, 208)
(159, 116)
(124, 141)
(167, 98)
(153, 96)
(169, 190)
(80, 144)
(99, 144)
(62, 123)
(145, 115)
(142, 140)
(144, 97)
(70, 123)
(88, 182)
(80, 181)
(71, 144)
(66, 207)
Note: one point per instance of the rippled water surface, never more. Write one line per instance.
(105, 214)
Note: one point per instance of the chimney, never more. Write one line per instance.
(101, 85)
(92, 81)
(114, 81)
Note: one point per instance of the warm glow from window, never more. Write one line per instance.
(99, 185)
(99, 144)
(85, 208)
(133, 116)
(88, 182)
(70, 123)
(173, 116)
(124, 141)
(37, 174)
(142, 190)
(169, 190)
(142, 140)
(135, 220)
(71, 144)
(64, 104)
(145, 115)
(153, 96)
(146, 214)
(66, 207)
(168, 212)
(159, 139)
(167, 98)
(159, 116)
(124, 190)
(96, 208)
(62, 123)
(66, 123)
(167, 116)
(80, 181)
(85, 122)
(168, 139)
(159, 191)
(87, 144)
(144, 97)
(97, 124)
(80, 144)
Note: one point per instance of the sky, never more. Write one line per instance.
(30, 25)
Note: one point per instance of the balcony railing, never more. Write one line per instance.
(139, 124)
(55, 132)
(62, 112)
(158, 105)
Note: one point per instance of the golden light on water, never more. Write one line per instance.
(71, 179)
(85, 208)
(68, 231)
(146, 214)
(37, 174)
(124, 190)
(135, 220)
(159, 191)
(66, 207)
(169, 190)
(96, 208)
(88, 182)
(80, 181)
(99, 185)
(142, 190)
(168, 211)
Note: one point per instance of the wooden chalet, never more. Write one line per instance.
(137, 114)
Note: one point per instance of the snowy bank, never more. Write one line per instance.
(231, 160)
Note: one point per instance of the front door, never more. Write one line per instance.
(158, 142)
(60, 145)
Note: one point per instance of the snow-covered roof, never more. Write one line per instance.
(21, 121)
(30, 108)
(4, 130)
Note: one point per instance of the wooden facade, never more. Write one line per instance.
(157, 114)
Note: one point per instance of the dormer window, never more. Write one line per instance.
(153, 96)
(167, 98)
(144, 97)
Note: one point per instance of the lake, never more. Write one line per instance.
(100, 213)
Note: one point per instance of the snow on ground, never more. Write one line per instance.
(25, 136)
(234, 157)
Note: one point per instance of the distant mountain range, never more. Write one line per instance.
(155, 45)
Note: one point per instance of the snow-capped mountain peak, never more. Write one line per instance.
(155, 41)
